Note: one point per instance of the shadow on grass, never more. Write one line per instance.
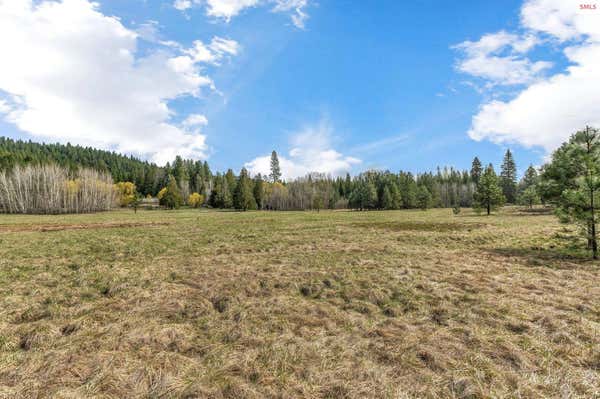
(555, 258)
(435, 227)
(511, 211)
(534, 211)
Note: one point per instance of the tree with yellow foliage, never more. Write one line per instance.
(126, 192)
(195, 200)
(170, 196)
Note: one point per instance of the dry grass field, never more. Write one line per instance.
(202, 304)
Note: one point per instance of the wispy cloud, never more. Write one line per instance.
(386, 144)
(228, 9)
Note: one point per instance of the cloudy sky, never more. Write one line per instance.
(333, 86)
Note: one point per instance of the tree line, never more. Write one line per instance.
(175, 183)
(55, 178)
(447, 187)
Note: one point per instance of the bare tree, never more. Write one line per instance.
(50, 189)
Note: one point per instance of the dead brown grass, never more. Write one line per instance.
(14, 228)
(316, 305)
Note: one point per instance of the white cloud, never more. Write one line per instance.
(73, 75)
(227, 9)
(546, 113)
(213, 52)
(195, 120)
(4, 107)
(563, 19)
(310, 152)
(299, 15)
(498, 58)
(548, 110)
(182, 5)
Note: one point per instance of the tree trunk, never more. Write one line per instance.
(488, 208)
(594, 242)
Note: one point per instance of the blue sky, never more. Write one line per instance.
(331, 85)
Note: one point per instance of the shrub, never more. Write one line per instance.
(195, 200)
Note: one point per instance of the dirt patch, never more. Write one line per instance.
(85, 226)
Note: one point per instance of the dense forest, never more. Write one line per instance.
(447, 187)
(148, 178)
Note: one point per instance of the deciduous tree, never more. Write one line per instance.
(195, 200)
(171, 197)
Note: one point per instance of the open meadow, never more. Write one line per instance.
(394, 304)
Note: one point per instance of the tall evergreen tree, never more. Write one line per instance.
(527, 189)
(364, 195)
(387, 201)
(275, 169)
(476, 170)
(223, 197)
(259, 191)
(347, 185)
(243, 198)
(488, 195)
(408, 188)
(231, 182)
(530, 178)
(396, 197)
(508, 177)
(423, 198)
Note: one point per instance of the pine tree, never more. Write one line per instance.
(224, 197)
(364, 195)
(573, 182)
(508, 177)
(408, 188)
(476, 170)
(530, 178)
(348, 186)
(528, 188)
(396, 197)
(387, 201)
(231, 182)
(423, 198)
(243, 198)
(529, 197)
(180, 172)
(275, 169)
(259, 191)
(488, 194)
